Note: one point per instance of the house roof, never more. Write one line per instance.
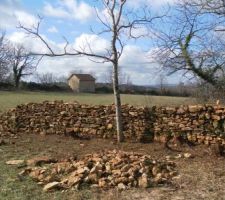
(83, 77)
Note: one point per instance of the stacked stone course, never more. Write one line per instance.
(198, 123)
(75, 119)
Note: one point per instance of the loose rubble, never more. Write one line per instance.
(104, 170)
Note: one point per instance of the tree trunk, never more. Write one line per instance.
(16, 81)
(119, 128)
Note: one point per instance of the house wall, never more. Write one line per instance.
(74, 83)
(87, 86)
(81, 86)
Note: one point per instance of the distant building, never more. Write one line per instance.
(82, 83)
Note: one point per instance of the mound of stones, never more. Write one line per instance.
(104, 170)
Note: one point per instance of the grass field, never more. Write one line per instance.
(11, 99)
(201, 177)
(197, 180)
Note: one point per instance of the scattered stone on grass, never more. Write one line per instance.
(50, 186)
(40, 160)
(15, 162)
(109, 169)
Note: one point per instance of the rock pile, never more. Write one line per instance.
(75, 119)
(202, 124)
(104, 170)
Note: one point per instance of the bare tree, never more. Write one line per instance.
(192, 45)
(45, 78)
(49, 78)
(118, 23)
(23, 64)
(4, 57)
(162, 82)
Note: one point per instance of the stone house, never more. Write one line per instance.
(82, 83)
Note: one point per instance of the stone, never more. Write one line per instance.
(158, 178)
(52, 185)
(103, 171)
(93, 178)
(121, 186)
(102, 183)
(15, 162)
(40, 161)
(143, 181)
(109, 126)
(73, 180)
(188, 155)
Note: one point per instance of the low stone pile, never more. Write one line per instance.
(75, 119)
(104, 170)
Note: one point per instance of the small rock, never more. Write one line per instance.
(188, 155)
(109, 126)
(52, 185)
(158, 178)
(73, 180)
(15, 162)
(143, 181)
(40, 160)
(102, 183)
(178, 156)
(121, 186)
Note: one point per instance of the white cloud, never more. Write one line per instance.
(91, 42)
(11, 14)
(25, 18)
(52, 29)
(69, 9)
(33, 44)
(134, 61)
(154, 4)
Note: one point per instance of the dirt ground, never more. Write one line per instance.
(201, 177)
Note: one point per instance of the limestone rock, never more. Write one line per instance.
(15, 162)
(50, 186)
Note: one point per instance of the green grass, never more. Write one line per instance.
(12, 99)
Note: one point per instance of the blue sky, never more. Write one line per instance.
(73, 19)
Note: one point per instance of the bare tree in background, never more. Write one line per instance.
(23, 64)
(118, 23)
(162, 82)
(49, 78)
(192, 44)
(45, 78)
(5, 57)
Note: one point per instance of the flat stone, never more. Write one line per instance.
(40, 160)
(52, 185)
(15, 162)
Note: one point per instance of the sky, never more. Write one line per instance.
(74, 20)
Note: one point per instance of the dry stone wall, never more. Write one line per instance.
(199, 123)
(75, 119)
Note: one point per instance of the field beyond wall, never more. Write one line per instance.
(11, 99)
